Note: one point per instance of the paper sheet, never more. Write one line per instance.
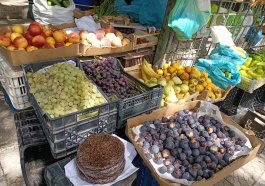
(129, 169)
(211, 110)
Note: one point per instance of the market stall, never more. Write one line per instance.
(114, 95)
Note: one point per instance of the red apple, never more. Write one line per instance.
(20, 42)
(38, 41)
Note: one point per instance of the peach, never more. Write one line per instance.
(11, 47)
(17, 29)
(57, 45)
(73, 38)
(8, 34)
(38, 41)
(20, 42)
(28, 37)
(13, 36)
(109, 29)
(100, 34)
(59, 36)
(48, 45)
(50, 40)
(34, 29)
(31, 48)
(83, 34)
(4, 41)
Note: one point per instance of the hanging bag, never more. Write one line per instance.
(46, 14)
(189, 16)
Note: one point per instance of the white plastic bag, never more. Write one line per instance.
(52, 14)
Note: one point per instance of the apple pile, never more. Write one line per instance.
(35, 37)
(103, 38)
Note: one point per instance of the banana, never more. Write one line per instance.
(143, 74)
(148, 70)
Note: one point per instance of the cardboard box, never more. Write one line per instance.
(168, 111)
(92, 51)
(20, 57)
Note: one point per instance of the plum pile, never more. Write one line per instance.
(108, 76)
(187, 146)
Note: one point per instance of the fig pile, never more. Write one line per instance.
(187, 146)
(107, 74)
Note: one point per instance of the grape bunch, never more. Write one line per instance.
(107, 74)
(187, 146)
(63, 89)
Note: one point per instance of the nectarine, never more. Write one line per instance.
(34, 29)
(68, 44)
(20, 42)
(17, 29)
(28, 37)
(4, 41)
(31, 48)
(48, 46)
(50, 40)
(47, 32)
(57, 45)
(38, 41)
(8, 34)
(11, 47)
(59, 36)
(14, 35)
(73, 38)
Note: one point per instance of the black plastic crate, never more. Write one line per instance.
(147, 101)
(66, 141)
(55, 176)
(55, 124)
(30, 140)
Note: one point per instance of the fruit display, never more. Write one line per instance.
(107, 37)
(188, 145)
(254, 66)
(179, 82)
(35, 37)
(61, 3)
(59, 94)
(107, 74)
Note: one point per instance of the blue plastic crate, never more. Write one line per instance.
(83, 4)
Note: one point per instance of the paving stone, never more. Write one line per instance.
(3, 181)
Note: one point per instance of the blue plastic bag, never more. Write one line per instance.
(213, 68)
(227, 54)
(186, 19)
(146, 12)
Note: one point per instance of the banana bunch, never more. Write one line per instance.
(147, 71)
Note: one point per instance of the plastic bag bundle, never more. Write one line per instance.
(46, 14)
(187, 17)
(213, 68)
(225, 53)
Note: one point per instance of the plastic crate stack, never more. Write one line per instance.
(30, 136)
(13, 84)
(64, 133)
